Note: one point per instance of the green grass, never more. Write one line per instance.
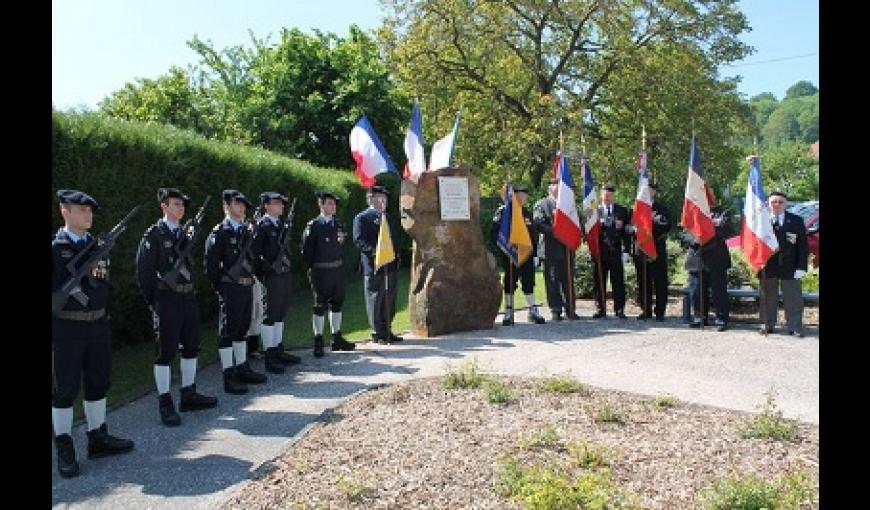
(791, 491)
(769, 423)
(465, 376)
(565, 383)
(663, 402)
(132, 374)
(497, 392)
(547, 437)
(520, 298)
(605, 412)
(586, 455)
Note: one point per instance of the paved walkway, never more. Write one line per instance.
(200, 464)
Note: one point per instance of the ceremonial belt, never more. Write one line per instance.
(181, 288)
(244, 280)
(82, 315)
(327, 265)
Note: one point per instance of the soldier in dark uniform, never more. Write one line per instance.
(785, 268)
(715, 261)
(614, 242)
(173, 305)
(656, 281)
(81, 340)
(379, 287)
(323, 244)
(273, 270)
(552, 252)
(228, 250)
(526, 271)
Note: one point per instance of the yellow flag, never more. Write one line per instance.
(384, 253)
(519, 232)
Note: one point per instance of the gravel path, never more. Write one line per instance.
(214, 453)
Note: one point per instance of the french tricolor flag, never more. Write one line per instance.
(696, 217)
(442, 150)
(369, 153)
(757, 238)
(566, 222)
(592, 226)
(416, 163)
(642, 216)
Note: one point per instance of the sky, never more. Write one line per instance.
(99, 45)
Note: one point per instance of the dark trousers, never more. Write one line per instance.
(176, 321)
(277, 288)
(380, 294)
(715, 283)
(652, 280)
(609, 265)
(512, 273)
(236, 302)
(792, 300)
(556, 283)
(328, 288)
(79, 347)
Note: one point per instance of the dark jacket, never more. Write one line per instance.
(661, 226)
(223, 248)
(156, 256)
(266, 248)
(96, 289)
(793, 249)
(548, 247)
(323, 242)
(366, 227)
(714, 253)
(614, 241)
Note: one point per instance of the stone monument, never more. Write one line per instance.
(454, 279)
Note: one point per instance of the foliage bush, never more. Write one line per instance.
(121, 164)
(465, 376)
(790, 491)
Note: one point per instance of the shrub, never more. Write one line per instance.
(769, 423)
(122, 163)
(791, 491)
(547, 437)
(497, 392)
(587, 455)
(606, 413)
(465, 376)
(561, 384)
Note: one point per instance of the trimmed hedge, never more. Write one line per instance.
(121, 164)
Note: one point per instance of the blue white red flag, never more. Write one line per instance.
(696, 216)
(442, 152)
(566, 222)
(757, 238)
(642, 217)
(369, 153)
(416, 163)
(592, 227)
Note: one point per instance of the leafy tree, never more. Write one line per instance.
(762, 106)
(522, 70)
(788, 167)
(801, 89)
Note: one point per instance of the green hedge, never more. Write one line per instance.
(122, 164)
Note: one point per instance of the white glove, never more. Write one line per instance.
(536, 261)
(799, 273)
(624, 258)
(631, 229)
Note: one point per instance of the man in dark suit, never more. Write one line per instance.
(553, 253)
(656, 271)
(715, 261)
(614, 241)
(379, 286)
(784, 269)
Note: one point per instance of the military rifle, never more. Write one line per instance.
(244, 260)
(102, 244)
(282, 260)
(184, 246)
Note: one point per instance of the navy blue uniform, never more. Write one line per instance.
(526, 271)
(222, 249)
(612, 241)
(276, 281)
(656, 281)
(323, 245)
(380, 286)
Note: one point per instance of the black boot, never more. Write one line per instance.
(102, 444)
(66, 456)
(340, 344)
(167, 411)
(557, 315)
(318, 346)
(193, 401)
(254, 350)
(246, 374)
(273, 364)
(232, 383)
(285, 357)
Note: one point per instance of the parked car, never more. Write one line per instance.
(809, 211)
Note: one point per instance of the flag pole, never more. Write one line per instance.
(642, 256)
(570, 309)
(761, 289)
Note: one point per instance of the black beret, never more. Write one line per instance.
(522, 188)
(232, 194)
(379, 189)
(327, 194)
(654, 185)
(268, 196)
(164, 193)
(778, 193)
(73, 196)
(608, 187)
